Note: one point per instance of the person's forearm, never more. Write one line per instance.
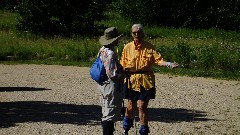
(163, 63)
(168, 64)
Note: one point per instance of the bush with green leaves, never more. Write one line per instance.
(9, 4)
(60, 17)
(221, 14)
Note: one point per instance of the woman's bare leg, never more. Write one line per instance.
(143, 111)
(131, 109)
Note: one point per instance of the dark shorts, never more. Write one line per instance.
(136, 95)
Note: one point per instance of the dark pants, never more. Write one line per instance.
(108, 127)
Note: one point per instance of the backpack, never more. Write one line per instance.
(98, 71)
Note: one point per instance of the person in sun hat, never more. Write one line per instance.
(111, 94)
(138, 58)
(110, 35)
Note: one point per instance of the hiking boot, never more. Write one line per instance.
(127, 124)
(144, 130)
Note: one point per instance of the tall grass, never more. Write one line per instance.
(57, 48)
(207, 53)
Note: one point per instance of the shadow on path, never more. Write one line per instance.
(51, 112)
(176, 115)
(12, 113)
(12, 89)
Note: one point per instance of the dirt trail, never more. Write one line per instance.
(63, 100)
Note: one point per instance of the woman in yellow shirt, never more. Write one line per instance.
(138, 57)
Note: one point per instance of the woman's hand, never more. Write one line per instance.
(172, 65)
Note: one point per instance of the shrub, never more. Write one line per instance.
(185, 13)
(60, 17)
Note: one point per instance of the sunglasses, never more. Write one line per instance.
(138, 32)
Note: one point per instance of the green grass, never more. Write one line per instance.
(217, 52)
(47, 62)
(8, 21)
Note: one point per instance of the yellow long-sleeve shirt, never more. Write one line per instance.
(140, 59)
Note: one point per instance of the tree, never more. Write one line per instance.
(59, 17)
(221, 14)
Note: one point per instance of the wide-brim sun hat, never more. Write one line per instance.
(110, 35)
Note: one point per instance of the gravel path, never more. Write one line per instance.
(63, 100)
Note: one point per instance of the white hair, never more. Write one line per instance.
(139, 26)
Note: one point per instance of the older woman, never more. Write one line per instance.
(138, 57)
(111, 94)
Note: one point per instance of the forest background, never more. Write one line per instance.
(203, 36)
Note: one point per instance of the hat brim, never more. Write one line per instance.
(104, 41)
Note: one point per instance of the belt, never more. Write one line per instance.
(140, 72)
